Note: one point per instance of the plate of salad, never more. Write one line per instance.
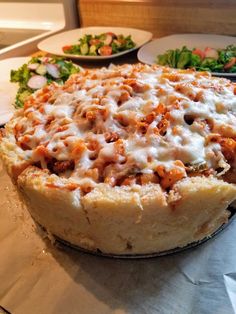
(204, 52)
(95, 43)
(22, 76)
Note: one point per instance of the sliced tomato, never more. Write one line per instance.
(65, 48)
(105, 51)
(199, 53)
(94, 42)
(230, 64)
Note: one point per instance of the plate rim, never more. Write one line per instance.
(95, 58)
(182, 35)
(7, 114)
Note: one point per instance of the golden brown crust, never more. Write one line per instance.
(128, 220)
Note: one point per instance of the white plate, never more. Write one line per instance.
(148, 53)
(8, 90)
(55, 43)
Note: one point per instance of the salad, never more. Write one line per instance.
(100, 45)
(209, 59)
(38, 72)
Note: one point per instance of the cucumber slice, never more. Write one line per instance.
(41, 69)
(84, 49)
(93, 50)
(184, 59)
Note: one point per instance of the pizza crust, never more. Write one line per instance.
(128, 220)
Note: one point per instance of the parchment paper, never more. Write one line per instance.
(38, 278)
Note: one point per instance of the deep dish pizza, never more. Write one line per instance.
(127, 159)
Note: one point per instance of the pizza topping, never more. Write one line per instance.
(130, 125)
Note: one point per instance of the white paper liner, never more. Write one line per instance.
(38, 278)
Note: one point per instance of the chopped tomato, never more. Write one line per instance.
(66, 48)
(230, 64)
(105, 51)
(199, 53)
(94, 41)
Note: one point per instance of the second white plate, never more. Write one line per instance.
(8, 90)
(148, 53)
(55, 43)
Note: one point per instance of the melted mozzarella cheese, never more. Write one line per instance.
(90, 108)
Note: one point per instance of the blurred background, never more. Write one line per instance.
(24, 23)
